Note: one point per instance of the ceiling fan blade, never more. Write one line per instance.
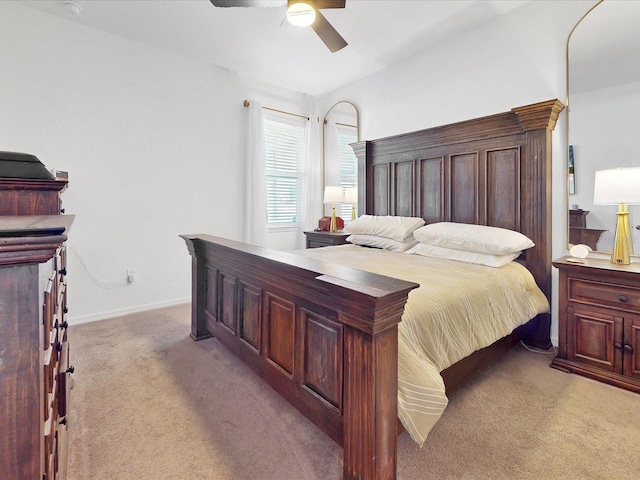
(248, 3)
(329, 35)
(330, 3)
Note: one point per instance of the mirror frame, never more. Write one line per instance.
(567, 122)
(324, 139)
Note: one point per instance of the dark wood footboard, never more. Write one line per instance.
(325, 337)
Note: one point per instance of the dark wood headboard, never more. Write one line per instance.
(493, 170)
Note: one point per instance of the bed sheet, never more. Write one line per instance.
(459, 308)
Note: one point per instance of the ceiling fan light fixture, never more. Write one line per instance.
(72, 8)
(301, 14)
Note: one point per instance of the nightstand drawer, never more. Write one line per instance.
(318, 243)
(599, 293)
(325, 239)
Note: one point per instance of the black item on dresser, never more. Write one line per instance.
(23, 165)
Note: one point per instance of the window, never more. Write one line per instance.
(348, 164)
(284, 138)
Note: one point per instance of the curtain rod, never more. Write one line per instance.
(246, 104)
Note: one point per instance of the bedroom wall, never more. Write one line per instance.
(153, 144)
(516, 60)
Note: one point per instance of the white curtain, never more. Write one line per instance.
(313, 185)
(331, 156)
(255, 205)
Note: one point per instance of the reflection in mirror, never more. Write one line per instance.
(340, 163)
(603, 98)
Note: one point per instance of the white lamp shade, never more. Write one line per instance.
(351, 195)
(618, 185)
(333, 195)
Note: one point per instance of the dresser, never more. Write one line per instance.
(325, 239)
(34, 349)
(599, 321)
(578, 231)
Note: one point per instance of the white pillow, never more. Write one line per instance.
(382, 242)
(488, 259)
(396, 228)
(473, 238)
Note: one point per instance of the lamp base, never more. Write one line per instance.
(622, 247)
(334, 224)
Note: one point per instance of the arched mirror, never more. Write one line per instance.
(340, 163)
(603, 101)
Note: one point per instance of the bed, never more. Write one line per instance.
(325, 335)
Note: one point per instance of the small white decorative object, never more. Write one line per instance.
(580, 251)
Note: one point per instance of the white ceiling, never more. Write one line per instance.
(256, 43)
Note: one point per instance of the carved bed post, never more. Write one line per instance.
(370, 427)
(199, 329)
(370, 401)
(538, 121)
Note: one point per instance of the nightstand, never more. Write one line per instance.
(325, 239)
(599, 321)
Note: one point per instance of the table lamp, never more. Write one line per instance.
(333, 195)
(351, 196)
(619, 186)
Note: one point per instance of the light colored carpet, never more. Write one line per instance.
(150, 403)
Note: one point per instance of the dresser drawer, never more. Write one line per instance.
(604, 294)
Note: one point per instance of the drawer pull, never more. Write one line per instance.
(63, 421)
(71, 369)
(617, 346)
(59, 346)
(628, 348)
(64, 324)
(623, 298)
(65, 309)
(62, 271)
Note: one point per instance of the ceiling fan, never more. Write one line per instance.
(301, 13)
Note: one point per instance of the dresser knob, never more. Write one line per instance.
(64, 324)
(63, 271)
(617, 346)
(65, 310)
(623, 299)
(628, 348)
(59, 346)
(62, 210)
(71, 369)
(63, 421)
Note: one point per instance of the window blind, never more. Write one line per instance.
(284, 167)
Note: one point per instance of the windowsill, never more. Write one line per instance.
(296, 227)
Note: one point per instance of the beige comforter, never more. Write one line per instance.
(458, 309)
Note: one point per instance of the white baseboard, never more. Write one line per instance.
(125, 311)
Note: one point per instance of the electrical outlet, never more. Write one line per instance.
(131, 273)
